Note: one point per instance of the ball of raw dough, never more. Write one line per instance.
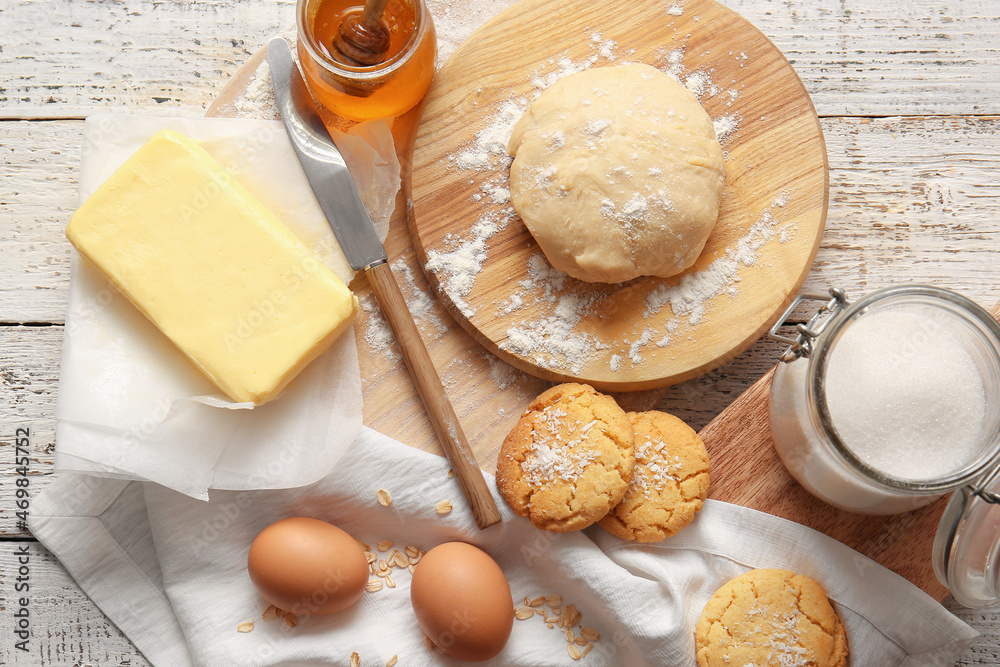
(617, 173)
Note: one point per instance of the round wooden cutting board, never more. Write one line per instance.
(648, 332)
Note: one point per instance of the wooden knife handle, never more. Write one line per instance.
(431, 391)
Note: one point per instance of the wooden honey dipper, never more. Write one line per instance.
(363, 37)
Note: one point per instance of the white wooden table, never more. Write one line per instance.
(908, 94)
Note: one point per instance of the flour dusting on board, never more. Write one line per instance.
(419, 302)
(701, 84)
(258, 101)
(378, 335)
(675, 9)
(455, 21)
(691, 295)
(559, 335)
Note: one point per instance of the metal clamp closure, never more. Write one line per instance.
(979, 487)
(802, 344)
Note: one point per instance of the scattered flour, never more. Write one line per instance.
(693, 292)
(489, 150)
(553, 341)
(462, 265)
(604, 49)
(511, 303)
(635, 348)
(378, 335)
(419, 302)
(455, 20)
(725, 126)
(700, 83)
(258, 101)
(503, 374)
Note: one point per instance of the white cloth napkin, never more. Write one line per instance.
(170, 571)
(131, 405)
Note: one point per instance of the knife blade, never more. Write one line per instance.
(324, 166)
(338, 196)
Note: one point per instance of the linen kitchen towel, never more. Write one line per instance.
(170, 571)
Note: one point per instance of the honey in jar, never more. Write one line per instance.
(359, 92)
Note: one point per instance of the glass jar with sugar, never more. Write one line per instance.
(882, 405)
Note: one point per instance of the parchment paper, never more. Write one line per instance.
(131, 405)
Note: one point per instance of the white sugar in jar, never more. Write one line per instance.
(882, 405)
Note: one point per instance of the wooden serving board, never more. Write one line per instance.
(772, 214)
(489, 395)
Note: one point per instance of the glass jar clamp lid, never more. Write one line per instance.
(913, 334)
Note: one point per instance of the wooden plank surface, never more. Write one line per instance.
(64, 59)
(67, 628)
(908, 99)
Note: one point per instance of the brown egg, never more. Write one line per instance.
(307, 566)
(462, 601)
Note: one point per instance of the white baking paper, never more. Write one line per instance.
(131, 405)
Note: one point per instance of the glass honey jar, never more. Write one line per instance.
(358, 92)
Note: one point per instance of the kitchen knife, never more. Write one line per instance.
(338, 196)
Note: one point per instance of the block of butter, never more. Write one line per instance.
(216, 271)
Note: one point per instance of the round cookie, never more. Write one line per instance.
(568, 459)
(770, 618)
(617, 173)
(669, 481)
